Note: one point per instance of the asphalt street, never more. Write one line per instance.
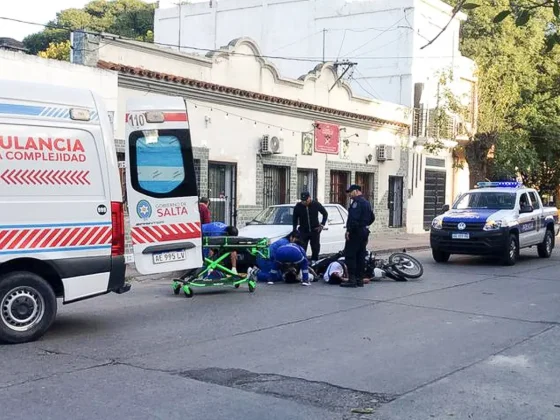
(470, 340)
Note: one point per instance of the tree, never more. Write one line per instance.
(519, 11)
(57, 51)
(128, 18)
(511, 69)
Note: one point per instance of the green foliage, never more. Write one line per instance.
(57, 51)
(518, 91)
(128, 18)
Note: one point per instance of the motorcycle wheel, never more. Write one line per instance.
(406, 266)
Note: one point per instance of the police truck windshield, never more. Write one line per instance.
(486, 200)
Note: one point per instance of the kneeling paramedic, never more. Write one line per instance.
(290, 259)
(220, 229)
(360, 217)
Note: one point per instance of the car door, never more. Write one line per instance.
(526, 222)
(161, 185)
(332, 237)
(536, 235)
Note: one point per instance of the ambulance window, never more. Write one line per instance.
(160, 163)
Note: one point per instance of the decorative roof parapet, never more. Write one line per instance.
(231, 91)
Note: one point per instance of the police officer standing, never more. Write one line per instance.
(360, 217)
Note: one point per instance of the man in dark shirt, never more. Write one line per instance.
(204, 211)
(360, 217)
(306, 216)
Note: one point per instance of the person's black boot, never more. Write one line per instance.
(360, 283)
(350, 283)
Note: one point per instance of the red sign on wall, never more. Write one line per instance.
(327, 138)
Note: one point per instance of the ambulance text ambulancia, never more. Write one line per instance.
(495, 219)
(62, 220)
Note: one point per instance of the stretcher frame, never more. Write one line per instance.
(225, 246)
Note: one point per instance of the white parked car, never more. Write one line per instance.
(275, 222)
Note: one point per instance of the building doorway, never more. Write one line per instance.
(222, 188)
(365, 180)
(434, 195)
(396, 201)
(339, 184)
(307, 181)
(276, 189)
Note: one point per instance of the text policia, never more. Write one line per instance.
(41, 149)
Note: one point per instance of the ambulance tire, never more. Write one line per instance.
(36, 296)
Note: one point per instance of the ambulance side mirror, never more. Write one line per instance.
(445, 208)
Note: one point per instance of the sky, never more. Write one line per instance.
(39, 11)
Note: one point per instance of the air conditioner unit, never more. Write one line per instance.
(385, 152)
(277, 145)
(271, 145)
(265, 145)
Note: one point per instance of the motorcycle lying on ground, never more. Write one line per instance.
(399, 266)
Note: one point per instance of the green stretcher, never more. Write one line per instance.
(223, 247)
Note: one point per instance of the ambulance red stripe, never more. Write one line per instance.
(166, 233)
(49, 238)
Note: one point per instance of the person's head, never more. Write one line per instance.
(205, 201)
(294, 238)
(232, 231)
(290, 276)
(354, 190)
(305, 198)
(335, 278)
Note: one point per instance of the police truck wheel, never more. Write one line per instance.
(545, 248)
(512, 251)
(27, 307)
(440, 256)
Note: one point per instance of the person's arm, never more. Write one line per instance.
(295, 218)
(305, 269)
(325, 214)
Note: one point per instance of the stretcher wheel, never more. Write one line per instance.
(187, 291)
(237, 286)
(251, 285)
(176, 288)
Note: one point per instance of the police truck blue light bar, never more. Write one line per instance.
(499, 184)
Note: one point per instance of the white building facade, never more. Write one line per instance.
(384, 38)
(237, 102)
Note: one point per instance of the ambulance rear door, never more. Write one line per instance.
(161, 186)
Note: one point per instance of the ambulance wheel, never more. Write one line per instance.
(251, 285)
(188, 292)
(27, 307)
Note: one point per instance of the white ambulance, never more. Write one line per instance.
(61, 217)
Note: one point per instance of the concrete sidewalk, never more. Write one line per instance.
(388, 243)
(380, 243)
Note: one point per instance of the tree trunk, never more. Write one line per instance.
(476, 154)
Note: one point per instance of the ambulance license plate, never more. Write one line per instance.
(460, 236)
(167, 257)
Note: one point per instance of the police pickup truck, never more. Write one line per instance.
(495, 219)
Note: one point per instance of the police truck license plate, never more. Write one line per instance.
(460, 236)
(167, 257)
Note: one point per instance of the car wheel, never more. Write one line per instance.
(512, 251)
(545, 248)
(440, 256)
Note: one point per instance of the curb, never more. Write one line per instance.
(399, 249)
